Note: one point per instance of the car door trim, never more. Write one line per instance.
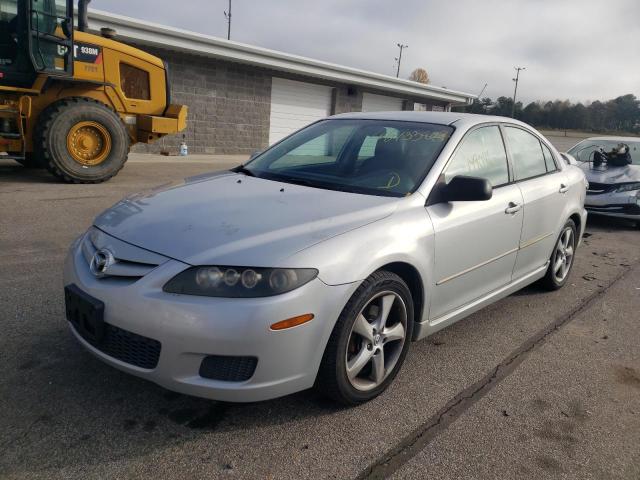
(533, 241)
(475, 267)
(526, 244)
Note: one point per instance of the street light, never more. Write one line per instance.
(401, 47)
(515, 90)
(227, 15)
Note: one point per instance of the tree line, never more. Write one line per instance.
(621, 114)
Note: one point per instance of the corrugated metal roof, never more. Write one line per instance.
(162, 36)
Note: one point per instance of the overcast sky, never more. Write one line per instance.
(572, 49)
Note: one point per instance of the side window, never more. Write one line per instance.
(480, 154)
(548, 158)
(134, 82)
(528, 160)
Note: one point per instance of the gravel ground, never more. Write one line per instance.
(528, 387)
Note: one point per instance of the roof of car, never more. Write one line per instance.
(439, 118)
(614, 138)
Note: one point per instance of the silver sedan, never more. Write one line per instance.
(319, 261)
(614, 189)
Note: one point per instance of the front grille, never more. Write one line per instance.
(600, 188)
(228, 369)
(625, 208)
(126, 346)
(129, 262)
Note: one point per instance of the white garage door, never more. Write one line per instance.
(380, 103)
(294, 105)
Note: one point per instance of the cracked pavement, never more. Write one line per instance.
(556, 376)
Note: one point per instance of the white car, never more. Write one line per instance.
(323, 258)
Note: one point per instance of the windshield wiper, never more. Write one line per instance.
(297, 181)
(242, 169)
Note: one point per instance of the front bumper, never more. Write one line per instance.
(615, 204)
(191, 328)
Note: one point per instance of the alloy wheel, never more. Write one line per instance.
(376, 340)
(563, 258)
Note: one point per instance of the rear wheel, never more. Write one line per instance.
(82, 141)
(369, 342)
(561, 260)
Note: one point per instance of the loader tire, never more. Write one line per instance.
(80, 140)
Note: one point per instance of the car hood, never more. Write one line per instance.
(612, 175)
(232, 219)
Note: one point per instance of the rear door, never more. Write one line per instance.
(543, 186)
(476, 243)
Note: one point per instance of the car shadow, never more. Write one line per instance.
(57, 389)
(609, 224)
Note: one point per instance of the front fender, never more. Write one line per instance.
(406, 236)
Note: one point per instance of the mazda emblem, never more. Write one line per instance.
(101, 262)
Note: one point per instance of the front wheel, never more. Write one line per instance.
(369, 341)
(561, 260)
(81, 140)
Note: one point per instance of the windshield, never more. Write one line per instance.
(8, 32)
(374, 157)
(583, 151)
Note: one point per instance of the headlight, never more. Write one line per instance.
(238, 282)
(628, 187)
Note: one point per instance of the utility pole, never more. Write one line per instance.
(227, 15)
(401, 47)
(482, 91)
(515, 90)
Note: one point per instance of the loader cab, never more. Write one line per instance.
(36, 36)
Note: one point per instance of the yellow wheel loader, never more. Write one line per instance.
(73, 102)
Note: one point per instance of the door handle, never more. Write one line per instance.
(563, 188)
(513, 208)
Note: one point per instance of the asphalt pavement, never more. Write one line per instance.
(538, 385)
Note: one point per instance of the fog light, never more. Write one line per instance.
(292, 322)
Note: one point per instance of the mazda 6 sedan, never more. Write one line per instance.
(319, 261)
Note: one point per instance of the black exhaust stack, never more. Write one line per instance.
(83, 21)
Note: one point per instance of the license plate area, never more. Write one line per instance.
(86, 313)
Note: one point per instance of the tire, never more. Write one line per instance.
(552, 280)
(58, 125)
(333, 380)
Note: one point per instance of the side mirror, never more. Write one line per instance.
(466, 189)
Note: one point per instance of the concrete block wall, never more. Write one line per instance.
(230, 103)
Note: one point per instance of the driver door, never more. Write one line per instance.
(51, 36)
(476, 242)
